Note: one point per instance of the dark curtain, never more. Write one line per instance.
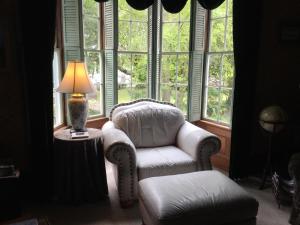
(36, 45)
(172, 6)
(246, 35)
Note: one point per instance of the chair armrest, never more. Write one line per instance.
(198, 143)
(117, 146)
(119, 150)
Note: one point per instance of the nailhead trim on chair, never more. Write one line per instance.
(135, 101)
(204, 156)
(120, 164)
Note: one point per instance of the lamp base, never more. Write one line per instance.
(80, 130)
(78, 106)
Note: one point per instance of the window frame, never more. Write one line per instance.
(163, 52)
(130, 52)
(100, 51)
(208, 53)
(57, 111)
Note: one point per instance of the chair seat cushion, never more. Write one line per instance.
(160, 161)
(203, 197)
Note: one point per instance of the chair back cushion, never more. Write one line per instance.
(149, 124)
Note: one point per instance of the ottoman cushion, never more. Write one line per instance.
(203, 197)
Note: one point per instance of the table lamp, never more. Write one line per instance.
(76, 82)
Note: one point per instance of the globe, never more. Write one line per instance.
(272, 118)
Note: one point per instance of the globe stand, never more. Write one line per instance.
(268, 170)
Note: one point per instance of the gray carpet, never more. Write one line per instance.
(109, 212)
(268, 211)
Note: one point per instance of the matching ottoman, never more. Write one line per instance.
(198, 198)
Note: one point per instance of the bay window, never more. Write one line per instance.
(132, 54)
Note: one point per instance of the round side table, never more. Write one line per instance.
(79, 167)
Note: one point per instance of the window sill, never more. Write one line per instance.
(206, 123)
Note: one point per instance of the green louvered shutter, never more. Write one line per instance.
(196, 70)
(110, 54)
(153, 31)
(72, 30)
(158, 40)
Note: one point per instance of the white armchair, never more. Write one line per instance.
(147, 138)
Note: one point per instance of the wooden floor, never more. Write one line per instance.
(110, 213)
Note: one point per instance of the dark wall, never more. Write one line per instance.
(12, 109)
(278, 81)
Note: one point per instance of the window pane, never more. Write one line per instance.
(220, 11)
(170, 37)
(139, 76)
(182, 97)
(91, 8)
(138, 15)
(128, 13)
(167, 92)
(225, 105)
(229, 38)
(91, 33)
(220, 66)
(124, 10)
(212, 107)
(124, 35)
(132, 76)
(217, 35)
(168, 63)
(124, 94)
(184, 37)
(57, 100)
(229, 10)
(228, 71)
(124, 64)
(92, 60)
(139, 68)
(176, 30)
(183, 68)
(138, 90)
(124, 77)
(139, 36)
(174, 80)
(170, 17)
(214, 65)
(186, 12)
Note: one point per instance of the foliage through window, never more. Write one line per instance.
(220, 66)
(173, 54)
(93, 54)
(132, 53)
(173, 83)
